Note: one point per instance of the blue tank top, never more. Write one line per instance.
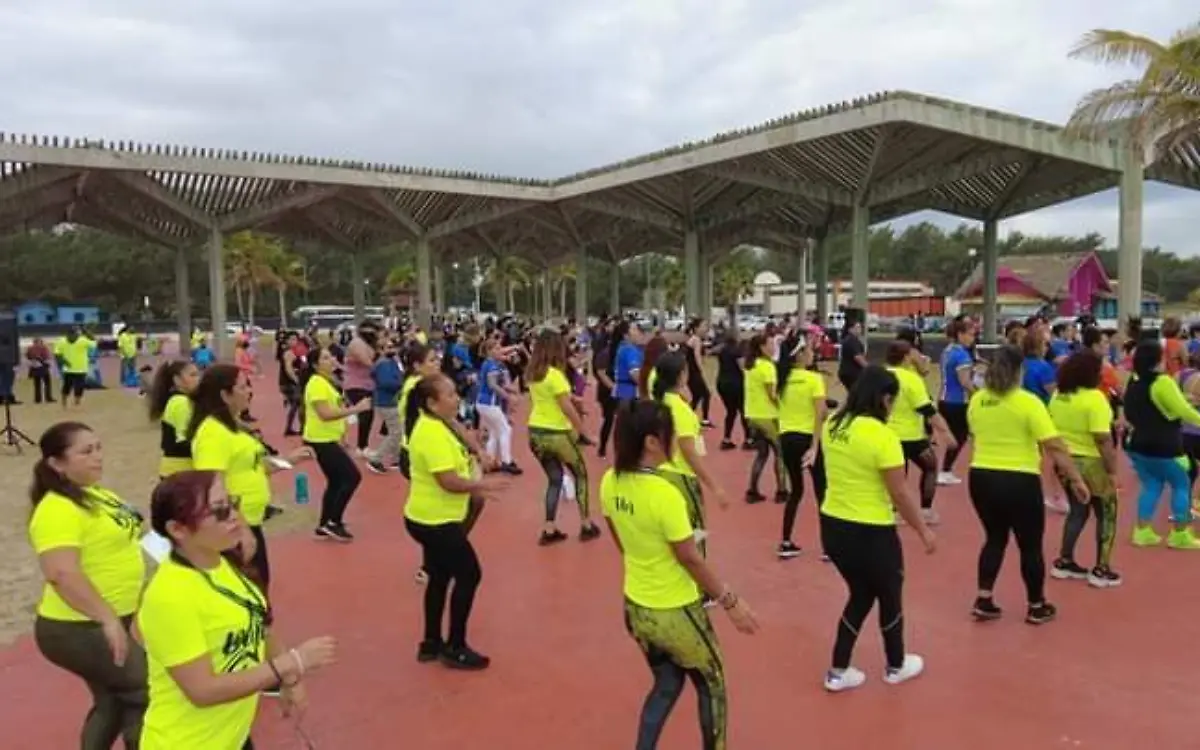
(954, 357)
(487, 395)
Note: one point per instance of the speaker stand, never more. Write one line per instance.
(11, 436)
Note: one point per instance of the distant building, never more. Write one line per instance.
(1061, 285)
(44, 313)
(784, 298)
(36, 313)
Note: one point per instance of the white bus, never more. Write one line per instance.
(331, 316)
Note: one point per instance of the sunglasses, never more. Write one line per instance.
(224, 511)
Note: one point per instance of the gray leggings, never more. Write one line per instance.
(118, 693)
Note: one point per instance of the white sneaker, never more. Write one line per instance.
(1058, 504)
(837, 681)
(931, 516)
(913, 666)
(945, 479)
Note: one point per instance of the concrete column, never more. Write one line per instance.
(183, 301)
(821, 271)
(802, 281)
(991, 252)
(216, 294)
(1129, 248)
(860, 261)
(692, 272)
(500, 289)
(708, 286)
(614, 289)
(424, 311)
(439, 290)
(581, 286)
(547, 297)
(358, 288)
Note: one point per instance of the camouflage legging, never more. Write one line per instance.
(557, 452)
(1103, 504)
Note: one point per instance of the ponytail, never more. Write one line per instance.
(54, 443)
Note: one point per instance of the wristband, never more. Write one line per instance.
(728, 600)
(299, 661)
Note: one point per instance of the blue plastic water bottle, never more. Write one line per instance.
(301, 488)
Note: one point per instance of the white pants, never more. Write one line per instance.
(499, 441)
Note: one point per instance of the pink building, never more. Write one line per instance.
(1065, 285)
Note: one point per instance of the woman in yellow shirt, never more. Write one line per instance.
(1083, 415)
(864, 463)
(420, 361)
(555, 428)
(686, 468)
(1011, 429)
(170, 405)
(664, 577)
(324, 429)
(914, 418)
(87, 544)
(221, 443)
(802, 410)
(445, 497)
(206, 627)
(762, 412)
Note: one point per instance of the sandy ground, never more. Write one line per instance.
(130, 468)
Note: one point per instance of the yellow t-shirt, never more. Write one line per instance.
(758, 379)
(906, 421)
(687, 425)
(406, 390)
(127, 345)
(546, 413)
(1080, 416)
(238, 456)
(74, 355)
(1007, 430)
(435, 449)
(856, 455)
(183, 618)
(649, 514)
(317, 430)
(798, 404)
(106, 534)
(651, 379)
(176, 418)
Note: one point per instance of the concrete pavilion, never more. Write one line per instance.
(786, 184)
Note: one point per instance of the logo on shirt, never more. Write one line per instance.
(241, 648)
(623, 505)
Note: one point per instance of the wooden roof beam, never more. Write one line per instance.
(380, 200)
(33, 179)
(146, 186)
(780, 184)
(902, 187)
(477, 218)
(635, 213)
(252, 216)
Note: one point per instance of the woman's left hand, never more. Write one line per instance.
(303, 453)
(294, 700)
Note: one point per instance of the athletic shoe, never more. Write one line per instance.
(589, 532)
(787, 550)
(1146, 536)
(781, 497)
(754, 497)
(985, 610)
(429, 651)
(931, 516)
(513, 470)
(1058, 504)
(463, 657)
(1183, 539)
(840, 680)
(946, 479)
(1068, 570)
(338, 532)
(551, 537)
(376, 467)
(272, 511)
(728, 445)
(1040, 614)
(912, 667)
(1104, 578)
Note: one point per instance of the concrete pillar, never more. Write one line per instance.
(424, 311)
(709, 294)
(216, 294)
(692, 272)
(183, 301)
(614, 289)
(822, 279)
(500, 289)
(581, 286)
(1129, 248)
(439, 290)
(860, 261)
(359, 288)
(802, 281)
(991, 253)
(547, 297)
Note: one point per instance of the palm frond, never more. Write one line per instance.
(1112, 46)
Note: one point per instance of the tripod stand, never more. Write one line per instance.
(13, 437)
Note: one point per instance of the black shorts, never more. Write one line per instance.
(913, 449)
(73, 383)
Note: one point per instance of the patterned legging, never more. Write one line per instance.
(1103, 504)
(689, 486)
(767, 432)
(558, 453)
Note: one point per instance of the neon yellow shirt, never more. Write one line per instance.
(1080, 417)
(856, 454)
(238, 456)
(546, 413)
(436, 449)
(1008, 429)
(687, 425)
(759, 379)
(176, 418)
(906, 419)
(798, 402)
(317, 430)
(74, 355)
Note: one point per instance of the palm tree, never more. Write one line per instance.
(287, 272)
(248, 258)
(508, 273)
(674, 285)
(559, 277)
(734, 280)
(1161, 108)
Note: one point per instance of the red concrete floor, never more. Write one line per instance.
(1108, 675)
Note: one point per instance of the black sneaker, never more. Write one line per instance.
(1068, 570)
(728, 445)
(1103, 578)
(787, 550)
(323, 532)
(338, 532)
(1040, 614)
(706, 424)
(512, 470)
(272, 511)
(589, 532)
(430, 651)
(551, 537)
(463, 657)
(781, 497)
(985, 610)
(753, 497)
(749, 446)
(376, 467)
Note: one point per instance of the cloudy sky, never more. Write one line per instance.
(540, 88)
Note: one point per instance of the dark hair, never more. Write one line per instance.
(415, 354)
(692, 325)
(1091, 336)
(636, 421)
(163, 387)
(1146, 358)
(1034, 346)
(754, 349)
(787, 362)
(866, 398)
(897, 352)
(1004, 371)
(1079, 371)
(619, 332)
(549, 351)
(207, 401)
(655, 348)
(669, 368)
(181, 497)
(54, 443)
(420, 395)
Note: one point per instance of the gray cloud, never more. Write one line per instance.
(532, 88)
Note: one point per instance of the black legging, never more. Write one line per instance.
(956, 419)
(920, 452)
(608, 408)
(701, 396)
(794, 445)
(1191, 448)
(448, 557)
(365, 419)
(733, 393)
(871, 562)
(1010, 503)
(342, 478)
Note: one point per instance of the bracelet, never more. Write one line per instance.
(728, 600)
(299, 662)
(275, 671)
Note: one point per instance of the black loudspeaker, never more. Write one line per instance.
(10, 339)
